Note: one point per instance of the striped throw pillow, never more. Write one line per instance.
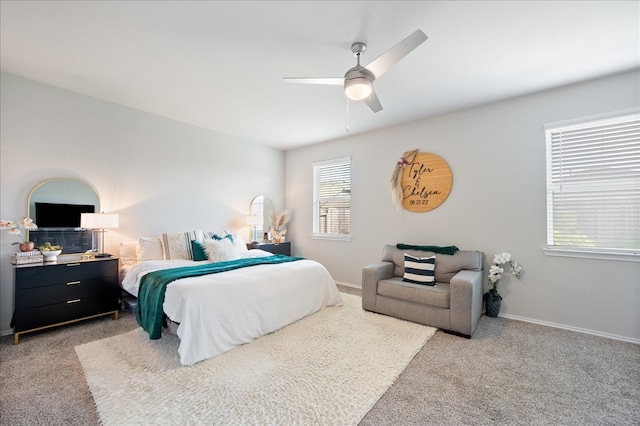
(419, 270)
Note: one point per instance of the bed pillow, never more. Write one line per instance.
(240, 243)
(220, 250)
(419, 270)
(178, 245)
(198, 251)
(149, 248)
(128, 255)
(218, 235)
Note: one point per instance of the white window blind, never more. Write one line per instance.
(593, 185)
(332, 198)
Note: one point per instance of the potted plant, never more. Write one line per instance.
(492, 299)
(13, 228)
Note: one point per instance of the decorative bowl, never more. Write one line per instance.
(51, 255)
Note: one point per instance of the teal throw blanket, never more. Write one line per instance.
(436, 249)
(153, 285)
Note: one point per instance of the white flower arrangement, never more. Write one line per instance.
(14, 228)
(496, 271)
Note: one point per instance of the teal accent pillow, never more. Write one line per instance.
(198, 251)
(219, 236)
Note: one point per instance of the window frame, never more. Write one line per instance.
(551, 249)
(317, 166)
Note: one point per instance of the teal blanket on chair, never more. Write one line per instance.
(436, 249)
(153, 285)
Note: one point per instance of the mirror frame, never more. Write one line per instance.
(262, 205)
(62, 199)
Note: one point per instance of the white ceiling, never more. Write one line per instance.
(219, 65)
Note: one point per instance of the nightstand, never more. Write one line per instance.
(49, 295)
(281, 248)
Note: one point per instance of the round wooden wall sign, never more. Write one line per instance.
(426, 183)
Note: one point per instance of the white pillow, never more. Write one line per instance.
(128, 255)
(239, 243)
(220, 250)
(149, 248)
(178, 244)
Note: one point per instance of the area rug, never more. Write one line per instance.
(329, 368)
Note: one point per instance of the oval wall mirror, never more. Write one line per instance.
(263, 207)
(55, 206)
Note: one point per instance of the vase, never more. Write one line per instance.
(27, 246)
(277, 236)
(491, 306)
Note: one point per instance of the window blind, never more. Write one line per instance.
(332, 197)
(593, 185)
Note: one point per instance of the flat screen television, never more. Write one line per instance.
(55, 215)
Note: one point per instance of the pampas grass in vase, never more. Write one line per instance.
(279, 226)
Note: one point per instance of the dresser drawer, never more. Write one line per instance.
(63, 273)
(59, 293)
(42, 316)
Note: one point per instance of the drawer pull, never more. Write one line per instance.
(73, 301)
(73, 282)
(73, 264)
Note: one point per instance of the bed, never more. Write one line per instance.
(216, 312)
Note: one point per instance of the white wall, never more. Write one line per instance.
(497, 203)
(160, 175)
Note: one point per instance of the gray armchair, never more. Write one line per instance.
(454, 304)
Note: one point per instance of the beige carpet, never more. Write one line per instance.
(329, 368)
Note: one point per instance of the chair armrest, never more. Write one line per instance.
(371, 274)
(466, 301)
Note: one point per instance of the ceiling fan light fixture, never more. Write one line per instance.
(358, 88)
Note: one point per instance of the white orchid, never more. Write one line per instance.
(15, 228)
(501, 258)
(496, 271)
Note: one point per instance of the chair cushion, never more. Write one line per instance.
(437, 296)
(446, 265)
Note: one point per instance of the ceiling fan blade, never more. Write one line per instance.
(373, 102)
(382, 63)
(334, 81)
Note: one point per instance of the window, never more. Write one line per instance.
(593, 186)
(332, 199)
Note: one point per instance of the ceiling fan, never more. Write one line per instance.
(358, 81)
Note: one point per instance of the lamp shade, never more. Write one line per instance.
(99, 220)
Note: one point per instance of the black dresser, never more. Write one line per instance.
(280, 248)
(48, 295)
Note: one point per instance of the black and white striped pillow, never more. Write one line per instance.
(419, 270)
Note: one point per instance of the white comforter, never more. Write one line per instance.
(221, 311)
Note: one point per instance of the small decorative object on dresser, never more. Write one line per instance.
(50, 252)
(281, 248)
(13, 228)
(279, 226)
(48, 295)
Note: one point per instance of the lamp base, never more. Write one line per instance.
(101, 255)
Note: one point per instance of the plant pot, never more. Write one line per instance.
(27, 246)
(491, 306)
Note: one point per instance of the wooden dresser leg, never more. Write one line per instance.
(16, 338)
(115, 315)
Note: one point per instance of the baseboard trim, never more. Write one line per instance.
(571, 328)
(545, 323)
(349, 285)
